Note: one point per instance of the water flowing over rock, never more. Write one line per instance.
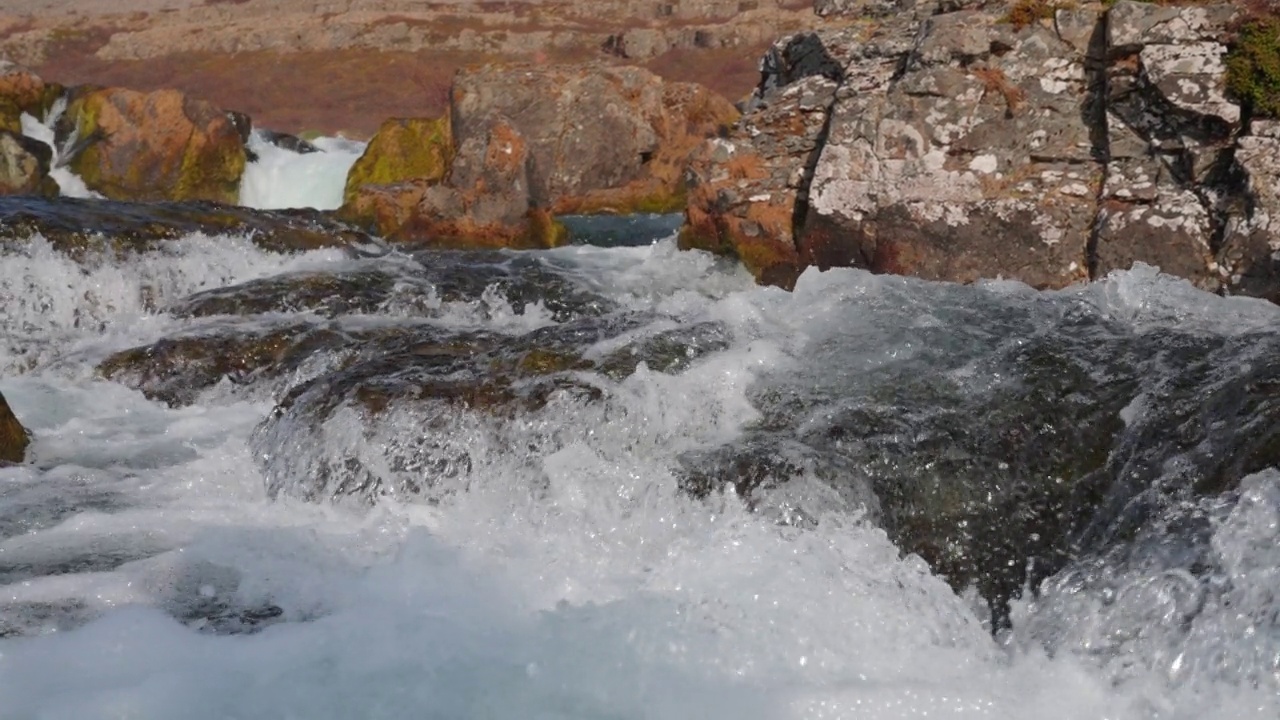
(161, 145)
(24, 166)
(79, 227)
(961, 144)
(13, 437)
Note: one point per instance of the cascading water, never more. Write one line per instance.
(453, 485)
(312, 174)
(69, 183)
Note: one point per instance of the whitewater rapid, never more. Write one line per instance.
(139, 548)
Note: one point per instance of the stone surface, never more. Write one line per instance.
(13, 437)
(959, 146)
(24, 166)
(601, 138)
(160, 145)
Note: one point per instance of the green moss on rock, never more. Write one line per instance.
(1253, 66)
(403, 149)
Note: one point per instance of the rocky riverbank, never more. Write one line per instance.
(1028, 141)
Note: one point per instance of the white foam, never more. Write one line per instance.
(282, 178)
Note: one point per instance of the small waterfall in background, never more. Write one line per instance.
(42, 130)
(311, 174)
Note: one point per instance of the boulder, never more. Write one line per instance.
(976, 142)
(13, 437)
(524, 143)
(486, 202)
(403, 149)
(22, 91)
(24, 166)
(161, 145)
(601, 138)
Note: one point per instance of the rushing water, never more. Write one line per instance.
(544, 560)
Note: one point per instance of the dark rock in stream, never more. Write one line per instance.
(83, 227)
(1001, 449)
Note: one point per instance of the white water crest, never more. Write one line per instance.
(281, 178)
(571, 578)
(69, 183)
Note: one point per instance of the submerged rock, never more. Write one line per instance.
(82, 227)
(24, 166)
(975, 142)
(161, 145)
(14, 438)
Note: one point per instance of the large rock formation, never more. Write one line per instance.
(970, 143)
(24, 166)
(524, 143)
(161, 145)
(13, 437)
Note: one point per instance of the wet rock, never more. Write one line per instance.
(14, 438)
(285, 141)
(24, 166)
(161, 145)
(422, 286)
(81, 228)
(176, 369)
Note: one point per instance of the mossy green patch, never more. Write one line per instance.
(1253, 66)
(403, 149)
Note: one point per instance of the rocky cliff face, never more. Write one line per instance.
(957, 144)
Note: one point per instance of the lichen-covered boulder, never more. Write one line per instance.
(402, 150)
(13, 437)
(22, 91)
(161, 145)
(24, 166)
(970, 140)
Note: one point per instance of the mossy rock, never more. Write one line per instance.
(155, 146)
(1253, 66)
(403, 149)
(14, 438)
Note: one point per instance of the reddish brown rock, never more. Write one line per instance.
(601, 138)
(13, 437)
(486, 201)
(22, 91)
(161, 145)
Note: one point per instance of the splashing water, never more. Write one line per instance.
(69, 184)
(144, 572)
(281, 178)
